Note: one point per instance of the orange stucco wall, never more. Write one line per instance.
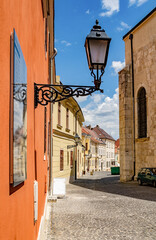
(17, 209)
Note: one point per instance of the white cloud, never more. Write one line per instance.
(117, 65)
(137, 2)
(88, 12)
(140, 2)
(103, 111)
(67, 44)
(131, 2)
(81, 99)
(98, 97)
(111, 6)
(119, 29)
(123, 26)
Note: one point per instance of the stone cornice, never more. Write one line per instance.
(63, 134)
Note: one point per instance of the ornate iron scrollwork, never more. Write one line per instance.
(97, 79)
(45, 93)
(20, 92)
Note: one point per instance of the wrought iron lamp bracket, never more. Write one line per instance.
(97, 79)
(45, 93)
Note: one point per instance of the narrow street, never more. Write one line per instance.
(100, 207)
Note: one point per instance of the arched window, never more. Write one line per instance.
(142, 113)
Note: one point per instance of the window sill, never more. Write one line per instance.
(142, 139)
(59, 126)
(67, 130)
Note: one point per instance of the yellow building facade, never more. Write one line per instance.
(67, 158)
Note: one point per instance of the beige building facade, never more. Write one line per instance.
(137, 99)
(67, 158)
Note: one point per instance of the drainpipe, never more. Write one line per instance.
(51, 121)
(133, 98)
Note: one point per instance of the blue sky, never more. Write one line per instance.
(73, 21)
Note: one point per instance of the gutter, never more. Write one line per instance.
(133, 99)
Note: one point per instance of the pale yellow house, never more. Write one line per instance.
(86, 141)
(93, 149)
(137, 99)
(67, 158)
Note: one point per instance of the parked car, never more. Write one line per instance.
(147, 175)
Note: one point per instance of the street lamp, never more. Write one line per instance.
(97, 47)
(77, 139)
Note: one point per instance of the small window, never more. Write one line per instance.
(86, 146)
(61, 160)
(142, 113)
(59, 113)
(67, 118)
(67, 158)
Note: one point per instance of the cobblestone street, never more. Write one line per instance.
(100, 207)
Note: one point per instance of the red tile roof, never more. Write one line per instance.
(93, 134)
(102, 134)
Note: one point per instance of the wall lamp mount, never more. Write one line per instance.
(97, 45)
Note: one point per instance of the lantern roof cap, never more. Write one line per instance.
(98, 33)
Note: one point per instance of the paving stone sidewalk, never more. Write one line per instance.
(100, 207)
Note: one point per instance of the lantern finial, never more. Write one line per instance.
(97, 26)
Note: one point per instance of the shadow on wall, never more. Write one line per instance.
(114, 186)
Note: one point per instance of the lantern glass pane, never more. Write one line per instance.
(98, 50)
(87, 52)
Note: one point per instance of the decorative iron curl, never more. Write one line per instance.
(94, 75)
(97, 79)
(102, 72)
(45, 93)
(20, 92)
